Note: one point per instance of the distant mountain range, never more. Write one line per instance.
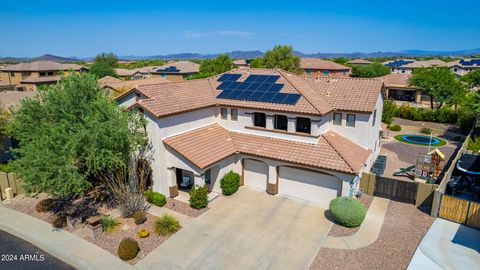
(255, 54)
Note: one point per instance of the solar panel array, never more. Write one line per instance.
(260, 88)
(471, 62)
(169, 69)
(398, 63)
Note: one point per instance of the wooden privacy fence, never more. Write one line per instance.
(9, 180)
(420, 194)
(460, 210)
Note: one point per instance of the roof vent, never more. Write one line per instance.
(328, 93)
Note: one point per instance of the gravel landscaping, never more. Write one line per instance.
(402, 231)
(128, 228)
(338, 230)
(184, 208)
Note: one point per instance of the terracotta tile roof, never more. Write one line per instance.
(426, 63)
(360, 61)
(11, 99)
(183, 66)
(348, 94)
(43, 79)
(129, 72)
(42, 66)
(316, 63)
(396, 80)
(208, 145)
(318, 95)
(108, 80)
(134, 83)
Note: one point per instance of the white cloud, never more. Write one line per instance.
(235, 33)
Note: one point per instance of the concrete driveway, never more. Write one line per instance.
(448, 245)
(249, 230)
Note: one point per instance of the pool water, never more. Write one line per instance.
(419, 139)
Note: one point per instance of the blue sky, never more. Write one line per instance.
(84, 28)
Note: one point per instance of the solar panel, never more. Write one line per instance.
(224, 77)
(233, 85)
(291, 99)
(278, 98)
(229, 77)
(253, 86)
(234, 94)
(223, 85)
(255, 96)
(272, 78)
(275, 88)
(251, 78)
(243, 86)
(224, 94)
(264, 87)
(245, 95)
(261, 78)
(267, 97)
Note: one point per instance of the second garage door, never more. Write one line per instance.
(312, 186)
(255, 174)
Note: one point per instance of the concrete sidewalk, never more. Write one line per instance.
(448, 245)
(369, 230)
(66, 246)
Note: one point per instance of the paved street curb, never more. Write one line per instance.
(64, 245)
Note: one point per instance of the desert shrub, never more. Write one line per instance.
(5, 167)
(128, 249)
(395, 127)
(443, 115)
(389, 111)
(45, 205)
(473, 143)
(426, 130)
(59, 221)
(347, 211)
(230, 183)
(466, 119)
(198, 197)
(143, 233)
(109, 224)
(166, 225)
(139, 217)
(130, 203)
(155, 198)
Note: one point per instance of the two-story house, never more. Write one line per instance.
(464, 66)
(29, 75)
(299, 136)
(176, 71)
(407, 66)
(322, 68)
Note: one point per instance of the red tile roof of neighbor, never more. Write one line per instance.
(316, 63)
(360, 61)
(318, 95)
(207, 145)
(397, 80)
(12, 99)
(42, 66)
(131, 83)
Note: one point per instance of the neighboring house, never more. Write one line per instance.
(7, 87)
(397, 88)
(136, 73)
(176, 71)
(242, 62)
(118, 86)
(408, 68)
(309, 138)
(322, 68)
(359, 62)
(28, 76)
(463, 66)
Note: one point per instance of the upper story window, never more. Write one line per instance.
(351, 120)
(234, 114)
(12, 74)
(304, 125)
(50, 73)
(374, 117)
(223, 113)
(42, 74)
(308, 71)
(337, 119)
(259, 119)
(325, 73)
(280, 122)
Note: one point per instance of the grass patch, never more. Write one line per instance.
(399, 138)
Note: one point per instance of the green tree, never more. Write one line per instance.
(110, 59)
(281, 56)
(473, 102)
(472, 78)
(70, 134)
(210, 67)
(370, 71)
(439, 83)
(102, 69)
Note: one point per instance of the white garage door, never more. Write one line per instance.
(255, 174)
(307, 185)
